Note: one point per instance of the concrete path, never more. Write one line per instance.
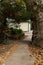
(28, 36)
(21, 56)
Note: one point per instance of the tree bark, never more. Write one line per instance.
(37, 24)
(38, 30)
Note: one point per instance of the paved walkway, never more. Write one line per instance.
(21, 56)
(28, 36)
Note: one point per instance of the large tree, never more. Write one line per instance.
(10, 9)
(37, 10)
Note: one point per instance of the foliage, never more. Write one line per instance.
(18, 10)
(17, 33)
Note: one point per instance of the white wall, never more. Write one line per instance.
(25, 26)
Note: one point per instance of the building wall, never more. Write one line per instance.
(25, 26)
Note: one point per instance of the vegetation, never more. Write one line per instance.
(20, 11)
(16, 33)
(8, 11)
(16, 10)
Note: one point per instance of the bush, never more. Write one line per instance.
(13, 31)
(17, 33)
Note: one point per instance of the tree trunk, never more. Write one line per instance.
(38, 31)
(37, 23)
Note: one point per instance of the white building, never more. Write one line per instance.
(25, 26)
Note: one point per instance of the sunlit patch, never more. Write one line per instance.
(3, 64)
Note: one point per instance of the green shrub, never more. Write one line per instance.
(17, 33)
(13, 31)
(20, 31)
